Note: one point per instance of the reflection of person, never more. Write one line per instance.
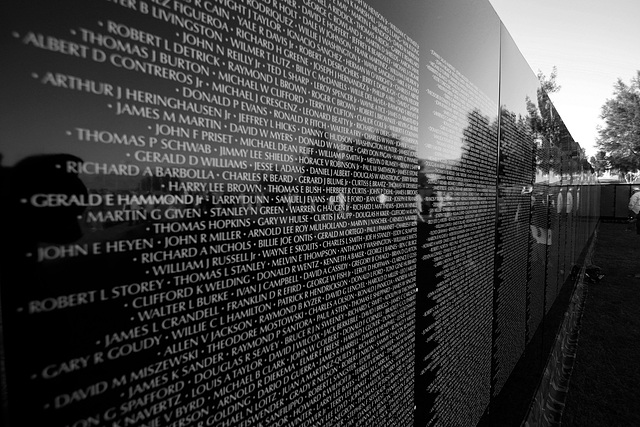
(634, 205)
(51, 222)
(424, 202)
(539, 226)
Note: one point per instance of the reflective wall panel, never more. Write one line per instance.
(282, 213)
(456, 229)
(518, 309)
(223, 195)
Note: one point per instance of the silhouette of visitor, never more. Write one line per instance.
(634, 205)
(36, 178)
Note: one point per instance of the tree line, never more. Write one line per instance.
(619, 138)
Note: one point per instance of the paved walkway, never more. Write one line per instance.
(604, 390)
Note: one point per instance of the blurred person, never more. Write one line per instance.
(634, 205)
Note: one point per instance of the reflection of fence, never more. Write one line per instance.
(614, 199)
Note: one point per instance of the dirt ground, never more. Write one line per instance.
(604, 389)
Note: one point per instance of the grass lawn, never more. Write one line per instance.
(604, 389)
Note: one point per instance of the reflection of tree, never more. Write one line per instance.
(557, 152)
(457, 195)
(519, 131)
(549, 84)
(479, 139)
(544, 127)
(600, 163)
(516, 166)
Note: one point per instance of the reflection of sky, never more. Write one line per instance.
(38, 116)
(466, 34)
(517, 80)
(518, 84)
(592, 42)
(55, 112)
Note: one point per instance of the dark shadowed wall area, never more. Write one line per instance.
(279, 213)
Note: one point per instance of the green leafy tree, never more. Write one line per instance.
(619, 138)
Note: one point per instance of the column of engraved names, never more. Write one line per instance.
(539, 231)
(231, 213)
(554, 195)
(291, 190)
(515, 174)
(262, 77)
(537, 258)
(366, 180)
(218, 282)
(461, 243)
(231, 198)
(221, 374)
(400, 85)
(172, 161)
(284, 238)
(291, 260)
(332, 166)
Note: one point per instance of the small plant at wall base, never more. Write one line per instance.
(619, 138)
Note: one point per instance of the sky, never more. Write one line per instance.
(593, 43)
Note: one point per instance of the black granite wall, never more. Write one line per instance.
(277, 212)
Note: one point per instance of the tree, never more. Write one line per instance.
(600, 163)
(619, 138)
(547, 125)
(549, 84)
